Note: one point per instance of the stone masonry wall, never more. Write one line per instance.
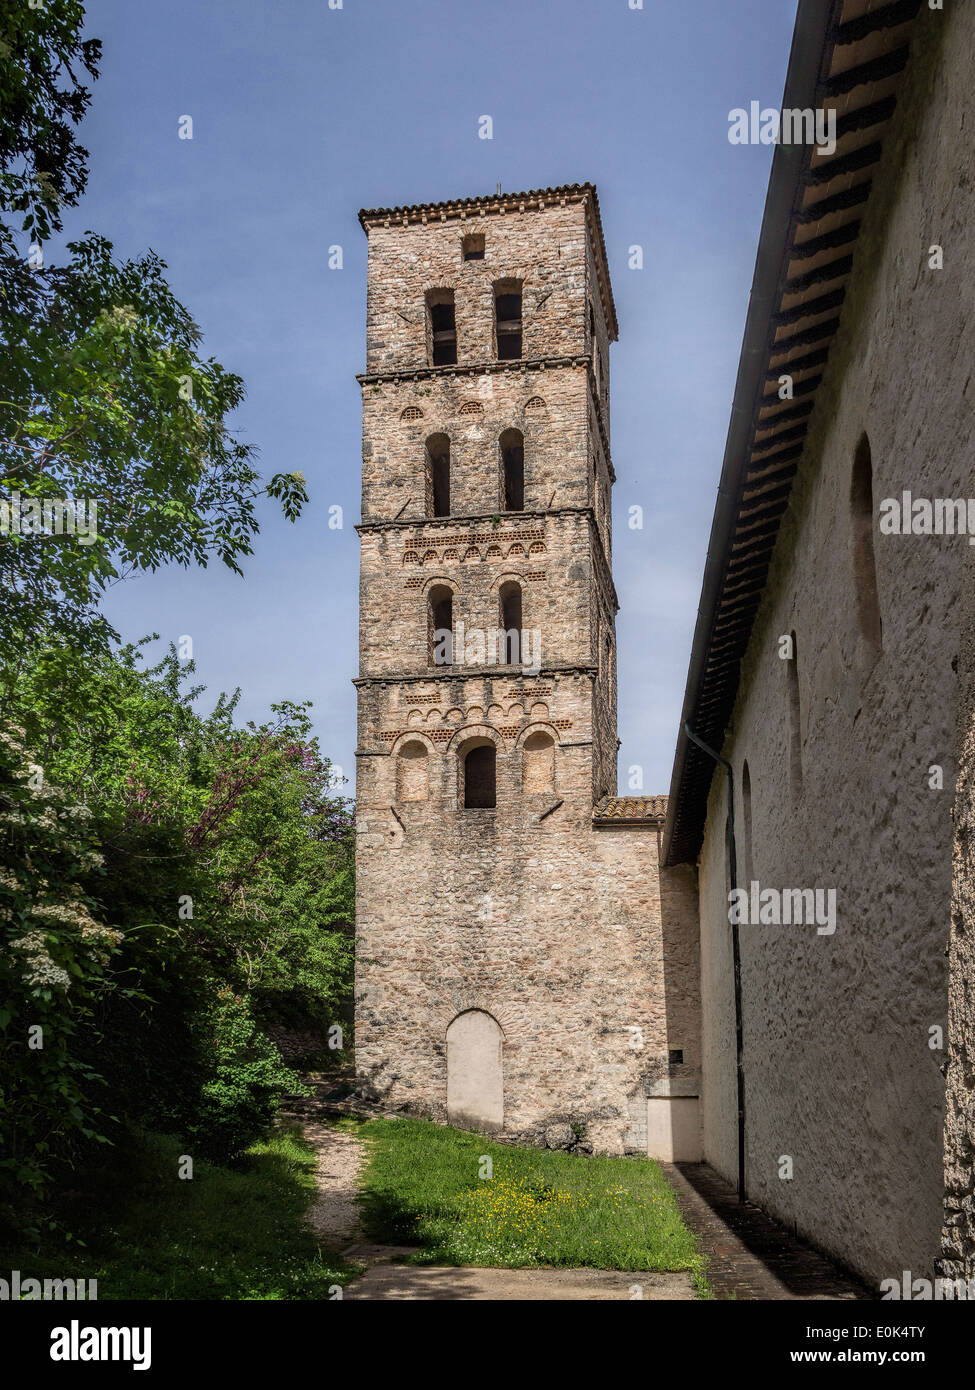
(545, 250)
(548, 407)
(567, 935)
(958, 1243)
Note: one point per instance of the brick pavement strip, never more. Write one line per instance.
(750, 1255)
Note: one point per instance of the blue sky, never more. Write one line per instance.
(302, 114)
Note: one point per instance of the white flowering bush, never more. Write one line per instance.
(55, 962)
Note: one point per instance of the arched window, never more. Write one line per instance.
(480, 764)
(795, 721)
(442, 328)
(512, 446)
(438, 475)
(412, 777)
(507, 320)
(538, 775)
(511, 620)
(440, 626)
(864, 562)
(746, 807)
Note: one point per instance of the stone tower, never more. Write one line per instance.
(508, 950)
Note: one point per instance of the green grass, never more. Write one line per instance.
(227, 1233)
(421, 1187)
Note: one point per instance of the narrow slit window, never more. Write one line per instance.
(795, 722)
(864, 560)
(508, 322)
(512, 444)
(511, 623)
(480, 778)
(440, 626)
(746, 806)
(438, 475)
(443, 329)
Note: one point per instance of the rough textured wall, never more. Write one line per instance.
(958, 1246)
(839, 1072)
(546, 250)
(548, 407)
(564, 934)
(549, 556)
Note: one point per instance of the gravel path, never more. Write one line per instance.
(335, 1219)
(334, 1216)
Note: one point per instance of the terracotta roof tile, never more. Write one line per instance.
(630, 810)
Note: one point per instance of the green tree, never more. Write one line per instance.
(105, 399)
(43, 58)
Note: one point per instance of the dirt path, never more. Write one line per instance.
(334, 1217)
(437, 1282)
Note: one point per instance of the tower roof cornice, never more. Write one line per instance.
(534, 199)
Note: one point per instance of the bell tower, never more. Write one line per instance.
(487, 679)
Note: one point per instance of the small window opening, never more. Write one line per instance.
(864, 560)
(511, 624)
(480, 767)
(438, 475)
(795, 722)
(675, 1056)
(473, 247)
(507, 318)
(513, 471)
(443, 328)
(440, 626)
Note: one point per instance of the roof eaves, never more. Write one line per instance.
(824, 62)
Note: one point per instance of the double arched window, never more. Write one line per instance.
(441, 328)
(507, 320)
(511, 473)
(511, 608)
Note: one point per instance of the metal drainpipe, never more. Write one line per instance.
(735, 950)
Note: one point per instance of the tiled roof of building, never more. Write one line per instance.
(630, 810)
(496, 202)
(848, 56)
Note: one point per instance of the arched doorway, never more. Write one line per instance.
(475, 1088)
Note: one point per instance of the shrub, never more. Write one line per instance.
(56, 961)
(244, 1080)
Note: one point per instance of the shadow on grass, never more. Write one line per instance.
(224, 1234)
(456, 1198)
